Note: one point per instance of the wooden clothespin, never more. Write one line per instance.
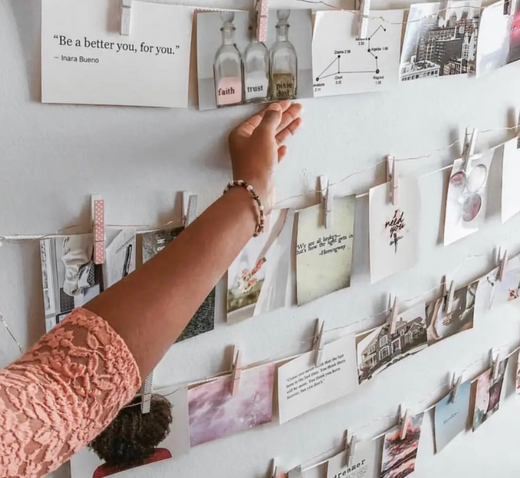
(326, 200)
(470, 140)
(392, 178)
(189, 208)
(455, 384)
(262, 12)
(146, 394)
(495, 363)
(502, 264)
(349, 444)
(126, 17)
(394, 312)
(236, 371)
(295, 472)
(273, 472)
(448, 293)
(404, 419)
(507, 7)
(317, 341)
(443, 8)
(98, 228)
(364, 12)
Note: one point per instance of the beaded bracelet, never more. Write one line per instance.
(261, 214)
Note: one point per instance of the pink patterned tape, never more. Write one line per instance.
(261, 28)
(99, 231)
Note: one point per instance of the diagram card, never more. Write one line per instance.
(324, 256)
(85, 60)
(343, 63)
(303, 387)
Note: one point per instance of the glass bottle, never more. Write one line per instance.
(284, 62)
(227, 66)
(256, 67)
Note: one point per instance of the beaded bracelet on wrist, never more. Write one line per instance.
(261, 214)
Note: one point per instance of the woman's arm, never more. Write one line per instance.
(150, 308)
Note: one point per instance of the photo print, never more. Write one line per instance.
(466, 197)
(443, 323)
(120, 255)
(204, 319)
(378, 349)
(365, 462)
(344, 64)
(517, 383)
(510, 173)
(450, 418)
(133, 439)
(434, 46)
(261, 278)
(399, 456)
(514, 39)
(487, 394)
(214, 413)
(69, 276)
(234, 68)
(393, 230)
(324, 256)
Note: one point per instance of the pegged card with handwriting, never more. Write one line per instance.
(85, 60)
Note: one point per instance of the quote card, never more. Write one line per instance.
(324, 256)
(393, 230)
(303, 387)
(451, 418)
(85, 60)
(466, 201)
(510, 177)
(364, 462)
(120, 255)
(344, 64)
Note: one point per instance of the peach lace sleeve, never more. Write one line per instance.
(62, 393)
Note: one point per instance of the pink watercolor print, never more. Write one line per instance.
(215, 414)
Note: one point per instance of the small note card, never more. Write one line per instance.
(85, 60)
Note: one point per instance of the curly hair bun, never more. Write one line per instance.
(132, 437)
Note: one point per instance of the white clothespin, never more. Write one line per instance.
(295, 472)
(146, 394)
(392, 178)
(189, 208)
(236, 371)
(394, 312)
(502, 263)
(262, 11)
(470, 140)
(326, 200)
(273, 473)
(448, 294)
(495, 363)
(455, 384)
(364, 11)
(317, 341)
(126, 17)
(404, 419)
(350, 448)
(98, 228)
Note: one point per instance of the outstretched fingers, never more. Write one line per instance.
(289, 130)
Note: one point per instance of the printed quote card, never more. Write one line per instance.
(324, 256)
(364, 462)
(510, 175)
(394, 230)
(303, 387)
(85, 60)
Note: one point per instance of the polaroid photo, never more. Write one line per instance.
(450, 418)
(324, 256)
(443, 323)
(510, 175)
(215, 413)
(235, 69)
(434, 46)
(487, 394)
(467, 194)
(399, 456)
(120, 255)
(133, 439)
(69, 276)
(394, 230)
(204, 319)
(378, 349)
(260, 279)
(343, 63)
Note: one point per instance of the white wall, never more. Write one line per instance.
(54, 157)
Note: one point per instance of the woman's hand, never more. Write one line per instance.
(256, 147)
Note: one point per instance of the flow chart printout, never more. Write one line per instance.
(343, 63)
(85, 60)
